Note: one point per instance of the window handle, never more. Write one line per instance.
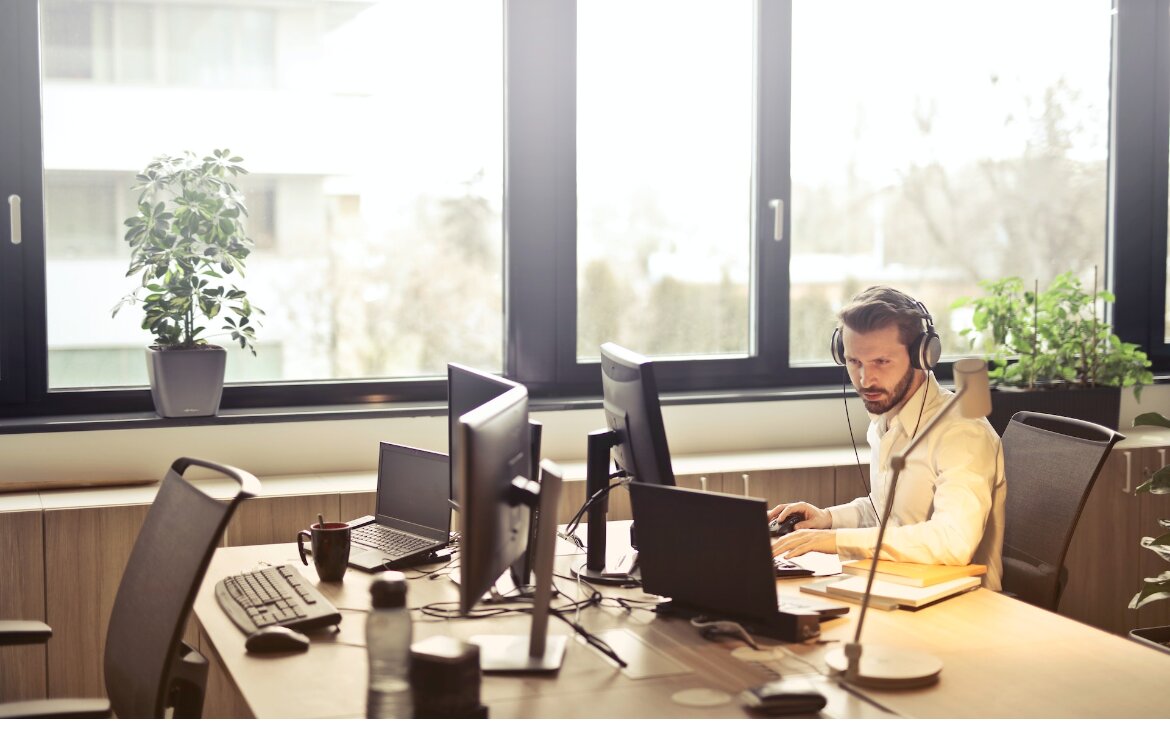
(14, 217)
(777, 207)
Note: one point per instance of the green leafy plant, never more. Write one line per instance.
(1157, 587)
(1052, 338)
(188, 244)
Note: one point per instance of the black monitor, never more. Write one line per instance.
(492, 449)
(636, 442)
(632, 410)
(468, 389)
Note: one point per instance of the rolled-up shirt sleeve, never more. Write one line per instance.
(962, 459)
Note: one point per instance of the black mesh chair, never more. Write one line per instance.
(1050, 463)
(148, 668)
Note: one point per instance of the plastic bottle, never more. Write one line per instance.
(388, 638)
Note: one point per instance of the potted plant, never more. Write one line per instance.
(1044, 345)
(188, 246)
(1155, 588)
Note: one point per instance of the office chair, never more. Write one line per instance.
(148, 668)
(1050, 464)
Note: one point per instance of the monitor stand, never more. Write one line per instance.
(597, 476)
(537, 652)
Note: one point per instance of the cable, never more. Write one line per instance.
(852, 439)
(615, 481)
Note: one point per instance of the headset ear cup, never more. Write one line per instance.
(837, 347)
(931, 349)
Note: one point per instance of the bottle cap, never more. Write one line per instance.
(388, 590)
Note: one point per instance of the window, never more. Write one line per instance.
(375, 192)
(926, 157)
(664, 176)
(509, 184)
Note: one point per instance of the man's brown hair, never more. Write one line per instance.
(879, 307)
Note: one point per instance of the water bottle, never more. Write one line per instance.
(388, 637)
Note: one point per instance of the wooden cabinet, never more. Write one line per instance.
(1105, 561)
(270, 520)
(69, 561)
(1100, 580)
(85, 554)
(22, 574)
(1150, 509)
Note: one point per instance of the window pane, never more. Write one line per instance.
(664, 185)
(935, 145)
(373, 134)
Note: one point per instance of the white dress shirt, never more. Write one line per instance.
(949, 507)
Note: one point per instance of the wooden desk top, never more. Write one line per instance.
(1002, 658)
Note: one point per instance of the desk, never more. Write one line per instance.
(1002, 658)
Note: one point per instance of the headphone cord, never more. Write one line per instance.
(853, 439)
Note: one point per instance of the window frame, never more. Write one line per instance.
(539, 220)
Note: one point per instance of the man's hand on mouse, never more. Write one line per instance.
(811, 535)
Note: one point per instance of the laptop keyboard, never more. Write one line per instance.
(390, 541)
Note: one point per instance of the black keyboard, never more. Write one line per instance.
(390, 541)
(278, 596)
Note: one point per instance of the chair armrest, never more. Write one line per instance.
(65, 708)
(24, 632)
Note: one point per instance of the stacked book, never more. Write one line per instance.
(899, 585)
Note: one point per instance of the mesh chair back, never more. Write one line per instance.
(167, 564)
(1050, 463)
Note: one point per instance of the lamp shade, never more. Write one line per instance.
(972, 387)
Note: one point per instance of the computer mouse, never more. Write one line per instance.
(772, 699)
(271, 639)
(780, 529)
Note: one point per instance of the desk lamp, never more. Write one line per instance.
(887, 667)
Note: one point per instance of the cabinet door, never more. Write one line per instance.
(1102, 559)
(781, 486)
(269, 520)
(85, 555)
(849, 483)
(705, 482)
(356, 504)
(22, 573)
(1151, 508)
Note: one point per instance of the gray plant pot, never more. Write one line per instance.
(1157, 637)
(1096, 405)
(186, 383)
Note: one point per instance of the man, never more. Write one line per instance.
(949, 502)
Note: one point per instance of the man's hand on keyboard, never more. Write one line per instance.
(805, 541)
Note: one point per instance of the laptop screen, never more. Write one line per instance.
(412, 490)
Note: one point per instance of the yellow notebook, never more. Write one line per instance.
(913, 574)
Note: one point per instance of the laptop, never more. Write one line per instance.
(711, 554)
(412, 515)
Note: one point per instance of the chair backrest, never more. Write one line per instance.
(1050, 463)
(166, 567)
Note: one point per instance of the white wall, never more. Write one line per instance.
(351, 445)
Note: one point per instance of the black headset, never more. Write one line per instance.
(925, 350)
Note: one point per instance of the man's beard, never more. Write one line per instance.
(878, 407)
